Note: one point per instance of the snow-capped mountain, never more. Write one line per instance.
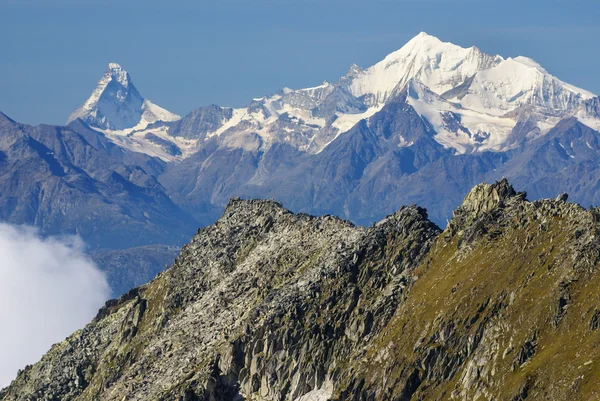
(438, 65)
(116, 104)
(473, 101)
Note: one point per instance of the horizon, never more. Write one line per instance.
(45, 87)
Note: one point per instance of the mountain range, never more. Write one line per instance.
(421, 126)
(265, 304)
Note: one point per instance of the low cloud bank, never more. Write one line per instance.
(48, 289)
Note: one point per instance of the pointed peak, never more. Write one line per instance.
(486, 197)
(423, 38)
(529, 62)
(425, 46)
(482, 200)
(353, 71)
(114, 71)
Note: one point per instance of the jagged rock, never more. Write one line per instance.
(270, 305)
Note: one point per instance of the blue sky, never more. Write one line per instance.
(185, 54)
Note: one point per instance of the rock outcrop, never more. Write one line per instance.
(270, 305)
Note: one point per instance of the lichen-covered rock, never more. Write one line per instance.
(270, 305)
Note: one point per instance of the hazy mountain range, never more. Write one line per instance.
(422, 126)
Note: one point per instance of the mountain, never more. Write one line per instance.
(116, 104)
(270, 305)
(73, 180)
(475, 102)
(422, 126)
(478, 112)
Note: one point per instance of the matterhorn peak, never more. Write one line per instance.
(116, 104)
(115, 72)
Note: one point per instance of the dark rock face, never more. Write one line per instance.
(270, 305)
(169, 147)
(339, 100)
(364, 174)
(73, 180)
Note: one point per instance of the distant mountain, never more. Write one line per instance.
(422, 126)
(128, 268)
(73, 180)
(475, 102)
(430, 111)
(116, 104)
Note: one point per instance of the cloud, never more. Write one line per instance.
(48, 289)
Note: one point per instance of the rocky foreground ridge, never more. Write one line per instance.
(270, 305)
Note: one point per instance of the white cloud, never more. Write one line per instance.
(48, 289)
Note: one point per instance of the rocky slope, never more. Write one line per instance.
(74, 181)
(270, 305)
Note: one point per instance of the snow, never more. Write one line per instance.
(591, 121)
(153, 113)
(322, 86)
(346, 121)
(133, 109)
(135, 140)
(530, 63)
(568, 154)
(473, 101)
(440, 66)
(514, 83)
(321, 394)
(113, 72)
(459, 135)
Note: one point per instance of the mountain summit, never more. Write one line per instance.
(439, 65)
(116, 104)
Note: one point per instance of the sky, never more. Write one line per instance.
(187, 54)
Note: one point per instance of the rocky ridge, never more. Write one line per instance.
(270, 305)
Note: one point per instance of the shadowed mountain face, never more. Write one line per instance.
(270, 305)
(66, 182)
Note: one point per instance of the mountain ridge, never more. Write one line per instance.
(320, 150)
(266, 304)
(481, 99)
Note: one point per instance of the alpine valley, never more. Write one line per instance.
(422, 126)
